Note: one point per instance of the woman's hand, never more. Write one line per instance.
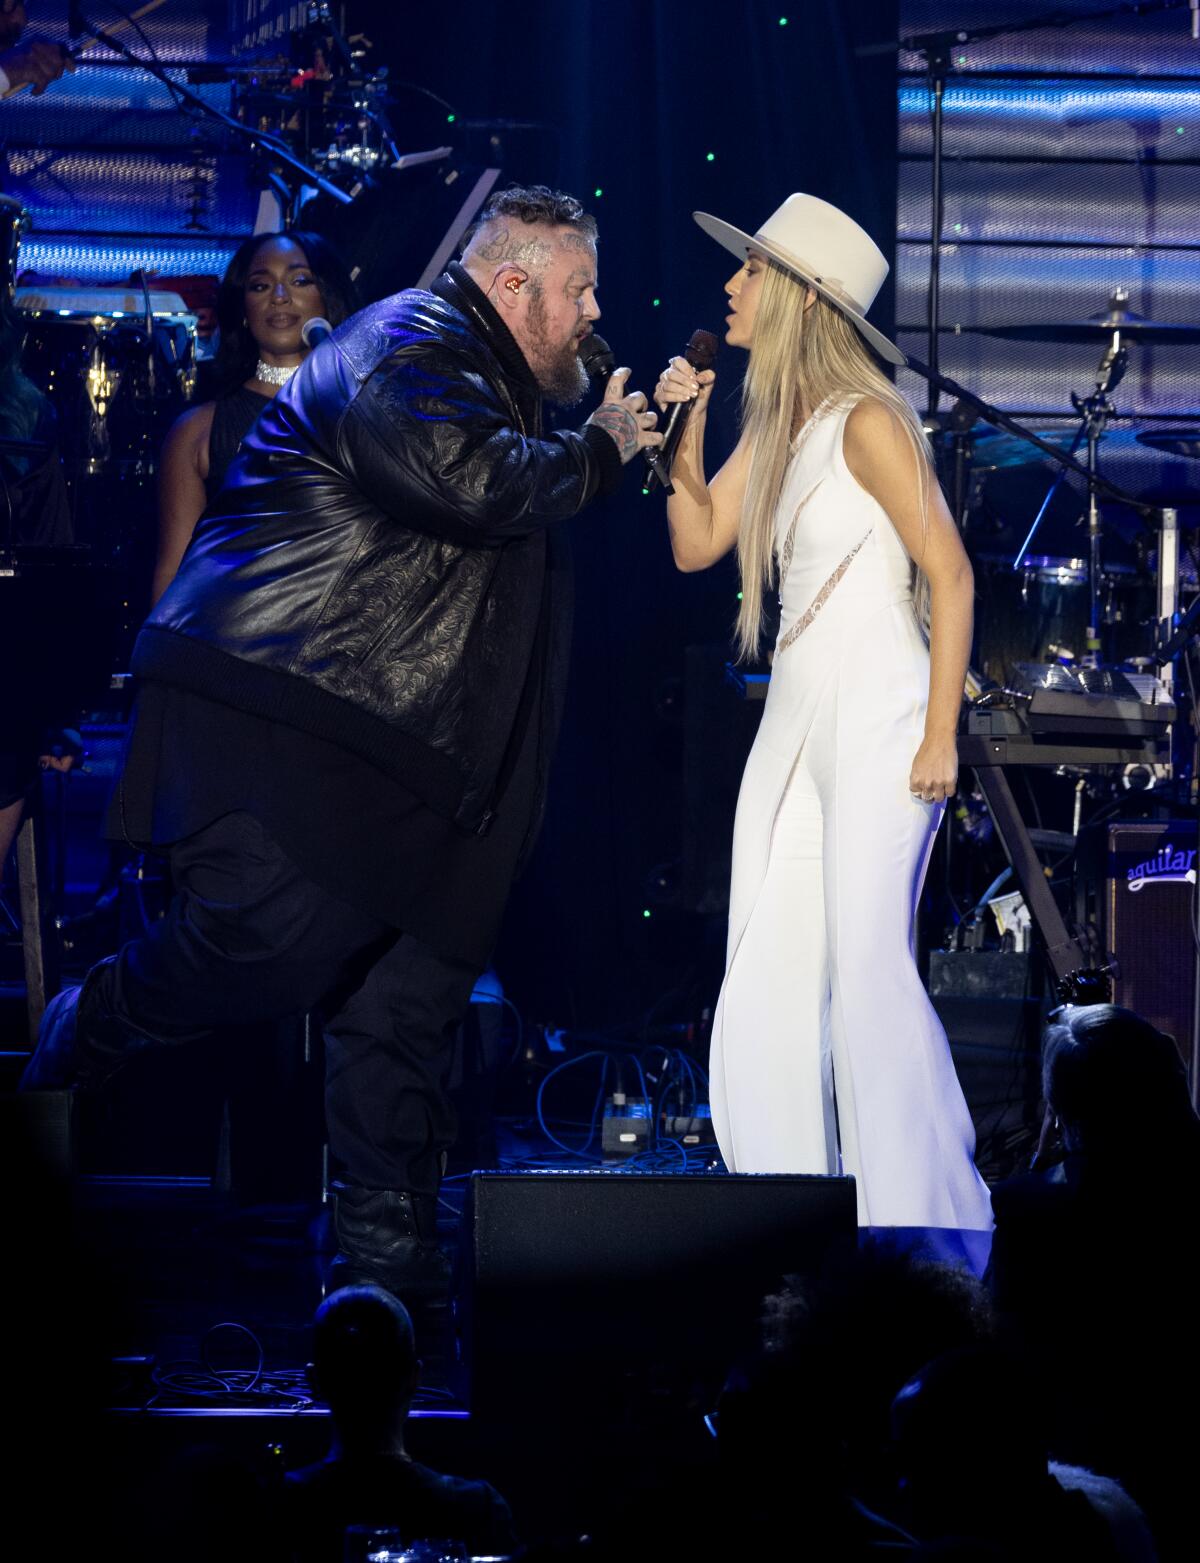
(679, 382)
(934, 775)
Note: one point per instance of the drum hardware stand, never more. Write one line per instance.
(187, 100)
(936, 47)
(320, 13)
(955, 432)
(1168, 624)
(1094, 412)
(148, 318)
(1168, 629)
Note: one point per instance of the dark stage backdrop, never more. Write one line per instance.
(665, 108)
(647, 109)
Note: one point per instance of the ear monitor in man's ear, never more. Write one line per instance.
(513, 284)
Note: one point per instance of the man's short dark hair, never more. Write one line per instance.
(534, 204)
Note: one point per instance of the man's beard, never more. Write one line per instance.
(557, 367)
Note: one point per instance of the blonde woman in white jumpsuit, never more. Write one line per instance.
(827, 1055)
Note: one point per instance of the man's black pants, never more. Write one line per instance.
(247, 937)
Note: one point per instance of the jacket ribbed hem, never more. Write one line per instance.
(169, 657)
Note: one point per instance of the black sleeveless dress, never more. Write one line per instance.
(233, 417)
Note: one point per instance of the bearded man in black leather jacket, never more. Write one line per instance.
(348, 699)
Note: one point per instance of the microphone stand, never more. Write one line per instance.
(936, 48)
(1095, 411)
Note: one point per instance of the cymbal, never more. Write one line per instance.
(995, 448)
(1175, 442)
(1149, 333)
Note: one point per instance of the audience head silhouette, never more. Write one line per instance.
(946, 1476)
(364, 1362)
(365, 1366)
(971, 1457)
(842, 1347)
(1116, 1083)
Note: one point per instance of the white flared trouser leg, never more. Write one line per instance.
(772, 1082)
(904, 1129)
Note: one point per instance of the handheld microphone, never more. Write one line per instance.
(599, 362)
(315, 331)
(701, 353)
(597, 359)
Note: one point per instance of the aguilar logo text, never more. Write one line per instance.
(1166, 867)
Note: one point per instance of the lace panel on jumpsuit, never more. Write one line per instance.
(826, 589)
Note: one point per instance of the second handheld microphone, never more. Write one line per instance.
(701, 353)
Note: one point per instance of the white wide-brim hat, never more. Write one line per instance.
(824, 248)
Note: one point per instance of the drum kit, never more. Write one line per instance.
(1078, 579)
(118, 364)
(1066, 588)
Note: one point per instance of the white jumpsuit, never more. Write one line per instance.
(827, 1055)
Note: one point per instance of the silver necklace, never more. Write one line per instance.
(272, 374)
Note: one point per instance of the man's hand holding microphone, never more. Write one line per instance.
(622, 415)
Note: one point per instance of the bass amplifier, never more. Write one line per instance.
(1137, 888)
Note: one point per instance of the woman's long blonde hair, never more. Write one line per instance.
(799, 360)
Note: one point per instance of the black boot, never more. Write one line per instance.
(80, 1046)
(388, 1238)
(54, 1065)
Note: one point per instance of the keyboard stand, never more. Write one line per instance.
(1076, 977)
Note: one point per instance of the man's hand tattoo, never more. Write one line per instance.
(620, 424)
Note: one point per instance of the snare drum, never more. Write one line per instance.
(1040, 612)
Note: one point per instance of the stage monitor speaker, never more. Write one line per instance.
(1139, 892)
(587, 1292)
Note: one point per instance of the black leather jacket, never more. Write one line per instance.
(374, 570)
